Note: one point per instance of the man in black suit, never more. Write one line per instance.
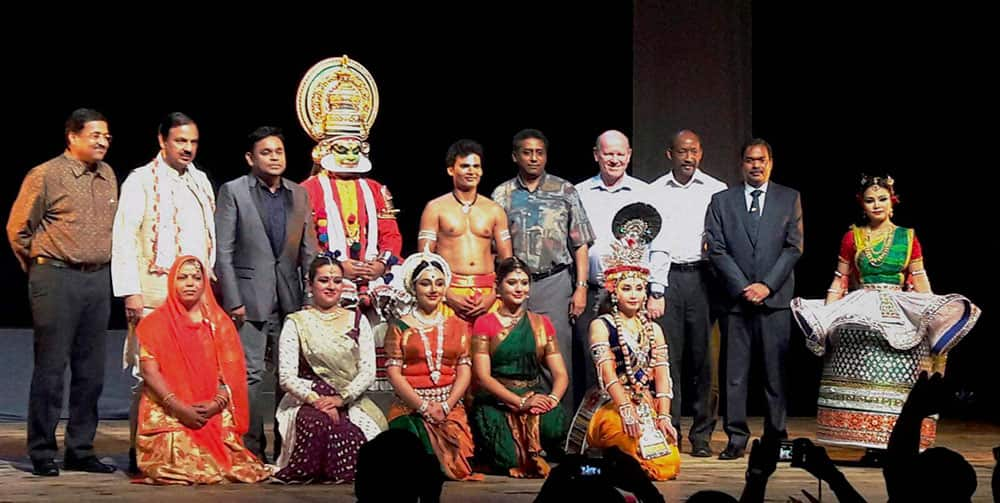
(754, 233)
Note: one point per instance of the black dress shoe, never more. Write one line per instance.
(88, 464)
(133, 462)
(732, 452)
(701, 451)
(44, 467)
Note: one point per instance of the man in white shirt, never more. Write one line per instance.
(166, 209)
(682, 197)
(602, 195)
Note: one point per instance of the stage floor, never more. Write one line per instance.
(974, 441)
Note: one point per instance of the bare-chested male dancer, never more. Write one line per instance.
(462, 226)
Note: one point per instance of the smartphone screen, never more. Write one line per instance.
(785, 451)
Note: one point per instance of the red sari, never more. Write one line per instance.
(194, 358)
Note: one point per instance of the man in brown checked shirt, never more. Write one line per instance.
(60, 231)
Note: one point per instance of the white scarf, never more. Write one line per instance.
(166, 245)
(336, 236)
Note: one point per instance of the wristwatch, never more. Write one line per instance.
(656, 295)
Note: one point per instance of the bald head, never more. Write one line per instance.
(612, 153)
(611, 137)
(682, 136)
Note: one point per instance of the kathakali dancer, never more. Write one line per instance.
(337, 103)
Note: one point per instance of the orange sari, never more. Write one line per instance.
(194, 358)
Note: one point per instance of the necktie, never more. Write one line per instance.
(755, 213)
(755, 205)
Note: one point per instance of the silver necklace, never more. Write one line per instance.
(433, 363)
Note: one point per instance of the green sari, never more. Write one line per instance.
(505, 438)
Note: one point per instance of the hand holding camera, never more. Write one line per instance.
(813, 459)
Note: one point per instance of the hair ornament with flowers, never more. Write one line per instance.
(886, 182)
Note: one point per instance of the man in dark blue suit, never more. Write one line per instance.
(754, 233)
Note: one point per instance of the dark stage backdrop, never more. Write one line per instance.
(840, 90)
(835, 92)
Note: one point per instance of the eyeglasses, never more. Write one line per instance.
(97, 136)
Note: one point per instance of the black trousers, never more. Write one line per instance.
(70, 311)
(757, 333)
(584, 373)
(687, 325)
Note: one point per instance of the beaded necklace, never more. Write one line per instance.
(433, 363)
(645, 347)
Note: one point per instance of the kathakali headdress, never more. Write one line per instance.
(337, 102)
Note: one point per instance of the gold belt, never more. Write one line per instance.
(517, 383)
(882, 286)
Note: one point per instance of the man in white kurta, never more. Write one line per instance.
(166, 209)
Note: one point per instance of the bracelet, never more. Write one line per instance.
(445, 407)
(838, 274)
(833, 290)
(918, 273)
(659, 395)
(423, 407)
(610, 383)
(524, 400)
(552, 396)
(167, 398)
(581, 284)
(627, 413)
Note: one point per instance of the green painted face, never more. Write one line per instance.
(347, 152)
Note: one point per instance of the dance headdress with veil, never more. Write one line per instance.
(399, 296)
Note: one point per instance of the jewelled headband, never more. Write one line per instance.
(876, 180)
(424, 265)
(417, 263)
(881, 181)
